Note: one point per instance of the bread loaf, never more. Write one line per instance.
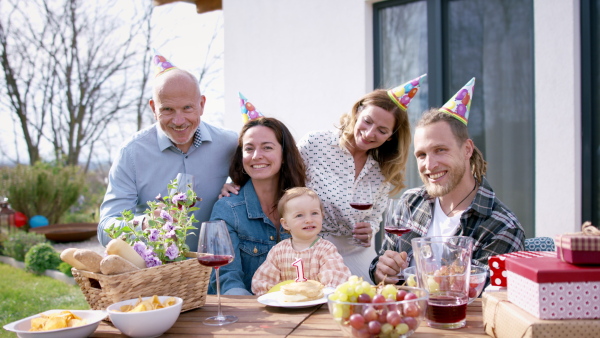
(114, 264)
(90, 259)
(119, 247)
(67, 256)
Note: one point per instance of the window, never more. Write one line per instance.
(491, 40)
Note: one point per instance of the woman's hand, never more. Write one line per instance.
(363, 232)
(389, 266)
(229, 188)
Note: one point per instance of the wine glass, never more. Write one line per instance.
(362, 200)
(398, 218)
(182, 183)
(215, 250)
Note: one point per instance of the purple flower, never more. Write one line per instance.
(179, 197)
(171, 234)
(172, 251)
(166, 216)
(140, 248)
(168, 226)
(152, 261)
(158, 197)
(153, 236)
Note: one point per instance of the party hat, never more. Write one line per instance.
(249, 112)
(460, 104)
(402, 95)
(161, 63)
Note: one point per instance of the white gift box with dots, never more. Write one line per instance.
(551, 289)
(497, 264)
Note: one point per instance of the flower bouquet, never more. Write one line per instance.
(162, 246)
(169, 220)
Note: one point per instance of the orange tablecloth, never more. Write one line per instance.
(256, 319)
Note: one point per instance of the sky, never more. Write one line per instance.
(181, 35)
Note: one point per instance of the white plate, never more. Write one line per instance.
(93, 317)
(274, 299)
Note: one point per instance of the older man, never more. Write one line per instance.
(456, 199)
(178, 143)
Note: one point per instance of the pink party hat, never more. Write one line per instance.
(249, 112)
(161, 63)
(402, 95)
(460, 104)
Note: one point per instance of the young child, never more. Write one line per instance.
(302, 215)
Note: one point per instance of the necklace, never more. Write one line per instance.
(459, 203)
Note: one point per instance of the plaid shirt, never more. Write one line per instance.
(321, 262)
(494, 229)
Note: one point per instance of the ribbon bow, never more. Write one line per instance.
(589, 230)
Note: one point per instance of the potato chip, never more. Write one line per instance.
(152, 303)
(56, 321)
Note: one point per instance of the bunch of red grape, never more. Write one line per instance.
(384, 311)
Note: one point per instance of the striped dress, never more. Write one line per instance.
(321, 262)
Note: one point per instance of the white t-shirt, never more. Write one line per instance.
(441, 224)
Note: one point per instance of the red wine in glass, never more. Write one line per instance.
(215, 261)
(396, 231)
(446, 309)
(361, 206)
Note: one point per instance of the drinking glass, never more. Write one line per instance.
(362, 200)
(182, 183)
(444, 267)
(215, 250)
(398, 218)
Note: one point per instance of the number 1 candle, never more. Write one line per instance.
(299, 270)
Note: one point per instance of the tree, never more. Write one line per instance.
(69, 67)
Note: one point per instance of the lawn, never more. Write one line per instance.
(23, 294)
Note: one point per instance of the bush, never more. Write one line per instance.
(17, 244)
(42, 257)
(43, 189)
(65, 268)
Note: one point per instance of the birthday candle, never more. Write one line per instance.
(299, 270)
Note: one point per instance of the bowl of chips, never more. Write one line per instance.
(145, 317)
(58, 324)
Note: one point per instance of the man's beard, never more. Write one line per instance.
(454, 174)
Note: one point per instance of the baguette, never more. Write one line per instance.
(67, 256)
(115, 264)
(90, 259)
(119, 247)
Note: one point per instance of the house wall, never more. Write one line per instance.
(303, 62)
(558, 117)
(306, 62)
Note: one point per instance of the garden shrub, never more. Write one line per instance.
(44, 189)
(17, 244)
(65, 268)
(42, 257)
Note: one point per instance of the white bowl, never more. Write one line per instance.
(151, 323)
(93, 317)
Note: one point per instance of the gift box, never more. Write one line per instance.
(498, 267)
(578, 248)
(503, 319)
(549, 288)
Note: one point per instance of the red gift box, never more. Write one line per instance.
(578, 248)
(549, 288)
(498, 267)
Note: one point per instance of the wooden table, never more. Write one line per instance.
(256, 319)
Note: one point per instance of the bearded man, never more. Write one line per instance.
(455, 200)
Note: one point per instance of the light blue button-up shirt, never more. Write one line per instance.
(149, 161)
(252, 235)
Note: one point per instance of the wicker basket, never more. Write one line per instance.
(185, 279)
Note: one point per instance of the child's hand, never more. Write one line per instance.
(363, 232)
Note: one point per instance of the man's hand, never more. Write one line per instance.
(389, 266)
(363, 232)
(229, 188)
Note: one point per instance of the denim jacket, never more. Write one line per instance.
(252, 235)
